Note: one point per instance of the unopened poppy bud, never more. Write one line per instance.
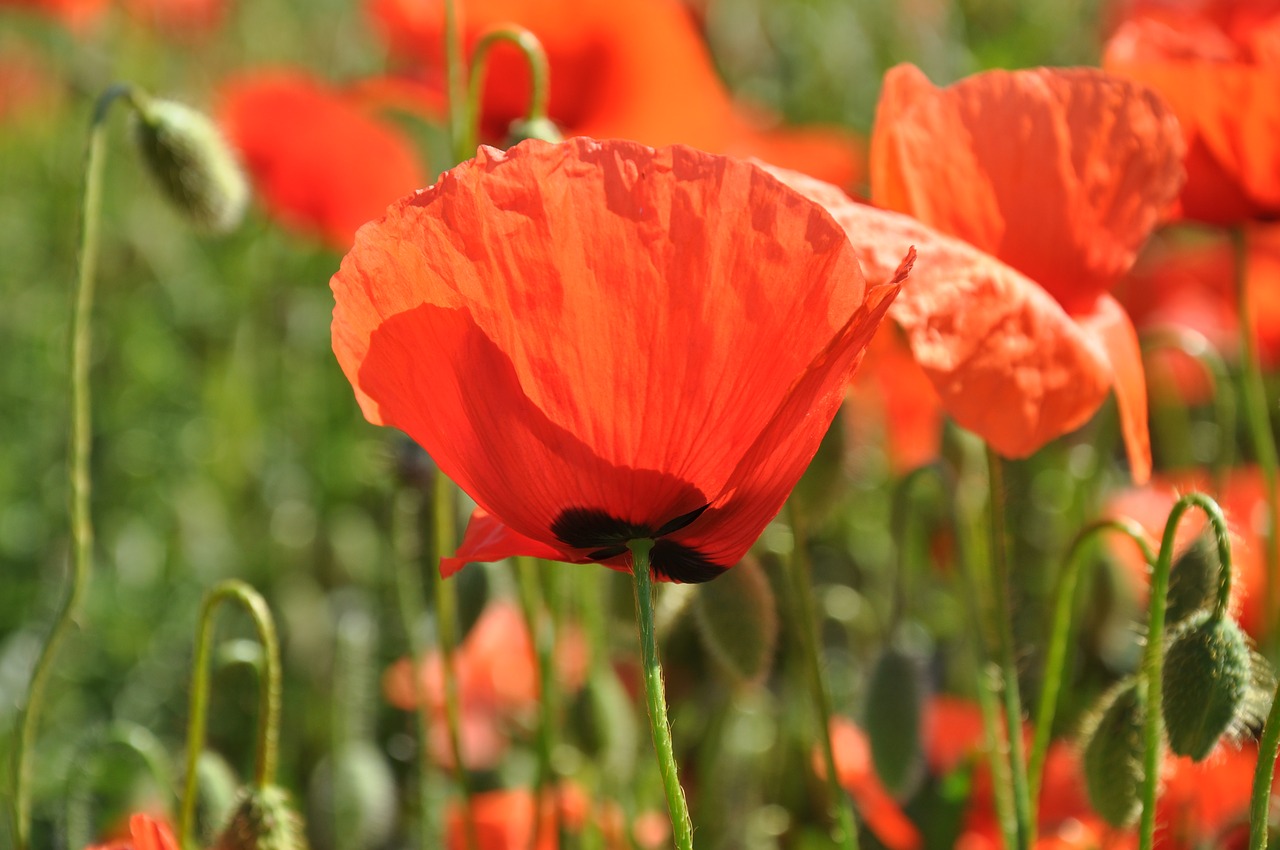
(1207, 670)
(217, 796)
(603, 723)
(538, 128)
(351, 800)
(1193, 580)
(192, 162)
(263, 819)
(737, 619)
(895, 700)
(1113, 756)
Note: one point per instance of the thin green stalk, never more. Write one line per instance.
(1059, 636)
(1263, 774)
(268, 738)
(408, 511)
(541, 634)
(1000, 589)
(1153, 655)
(455, 83)
(79, 473)
(802, 589)
(656, 697)
(539, 73)
(1254, 400)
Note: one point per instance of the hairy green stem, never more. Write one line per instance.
(539, 73)
(1152, 671)
(802, 589)
(267, 756)
(1000, 590)
(1059, 636)
(1263, 775)
(656, 697)
(79, 473)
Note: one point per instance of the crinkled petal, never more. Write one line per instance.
(487, 539)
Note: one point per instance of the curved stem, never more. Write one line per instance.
(409, 598)
(1000, 589)
(539, 72)
(656, 697)
(79, 473)
(802, 589)
(541, 635)
(1059, 635)
(267, 757)
(1263, 774)
(1153, 655)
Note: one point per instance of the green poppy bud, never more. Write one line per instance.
(1207, 671)
(192, 163)
(1113, 756)
(895, 700)
(1193, 580)
(539, 128)
(217, 795)
(351, 802)
(737, 618)
(263, 819)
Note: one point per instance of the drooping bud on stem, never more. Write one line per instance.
(1113, 756)
(1206, 683)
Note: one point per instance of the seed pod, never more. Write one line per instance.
(192, 163)
(737, 619)
(1206, 682)
(263, 820)
(1113, 756)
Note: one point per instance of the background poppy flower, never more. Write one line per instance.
(76, 14)
(632, 69)
(1052, 178)
(858, 776)
(145, 833)
(320, 158)
(1218, 65)
(599, 341)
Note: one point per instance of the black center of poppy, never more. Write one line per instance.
(607, 537)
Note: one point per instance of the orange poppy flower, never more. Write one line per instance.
(893, 392)
(504, 820)
(75, 14)
(145, 833)
(857, 775)
(179, 18)
(1009, 314)
(633, 69)
(319, 158)
(497, 683)
(1218, 65)
(599, 341)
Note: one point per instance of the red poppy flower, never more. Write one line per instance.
(1052, 178)
(633, 69)
(29, 88)
(599, 341)
(76, 14)
(857, 775)
(1218, 65)
(145, 833)
(497, 683)
(179, 18)
(319, 158)
(891, 390)
(504, 820)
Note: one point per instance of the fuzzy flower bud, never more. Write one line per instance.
(192, 162)
(1206, 683)
(1113, 756)
(263, 820)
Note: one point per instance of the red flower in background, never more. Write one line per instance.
(319, 157)
(76, 14)
(599, 341)
(1218, 65)
(1045, 182)
(145, 833)
(633, 69)
(180, 18)
(497, 684)
(858, 776)
(504, 820)
(893, 393)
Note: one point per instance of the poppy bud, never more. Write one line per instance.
(1113, 756)
(263, 820)
(895, 697)
(216, 795)
(1193, 581)
(351, 801)
(1206, 683)
(602, 720)
(737, 619)
(536, 128)
(192, 162)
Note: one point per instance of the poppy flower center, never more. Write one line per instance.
(607, 537)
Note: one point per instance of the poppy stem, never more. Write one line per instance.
(264, 772)
(802, 587)
(408, 509)
(655, 695)
(1000, 591)
(1059, 637)
(1254, 399)
(539, 72)
(1263, 775)
(542, 637)
(1152, 671)
(455, 83)
(79, 472)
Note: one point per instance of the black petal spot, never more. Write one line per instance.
(682, 563)
(607, 537)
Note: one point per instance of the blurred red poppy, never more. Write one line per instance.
(497, 683)
(320, 158)
(29, 88)
(145, 833)
(892, 390)
(505, 820)
(633, 69)
(1218, 65)
(76, 14)
(857, 775)
(599, 341)
(179, 18)
(1014, 324)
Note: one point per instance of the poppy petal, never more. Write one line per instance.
(1110, 326)
(1060, 173)
(628, 318)
(487, 539)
